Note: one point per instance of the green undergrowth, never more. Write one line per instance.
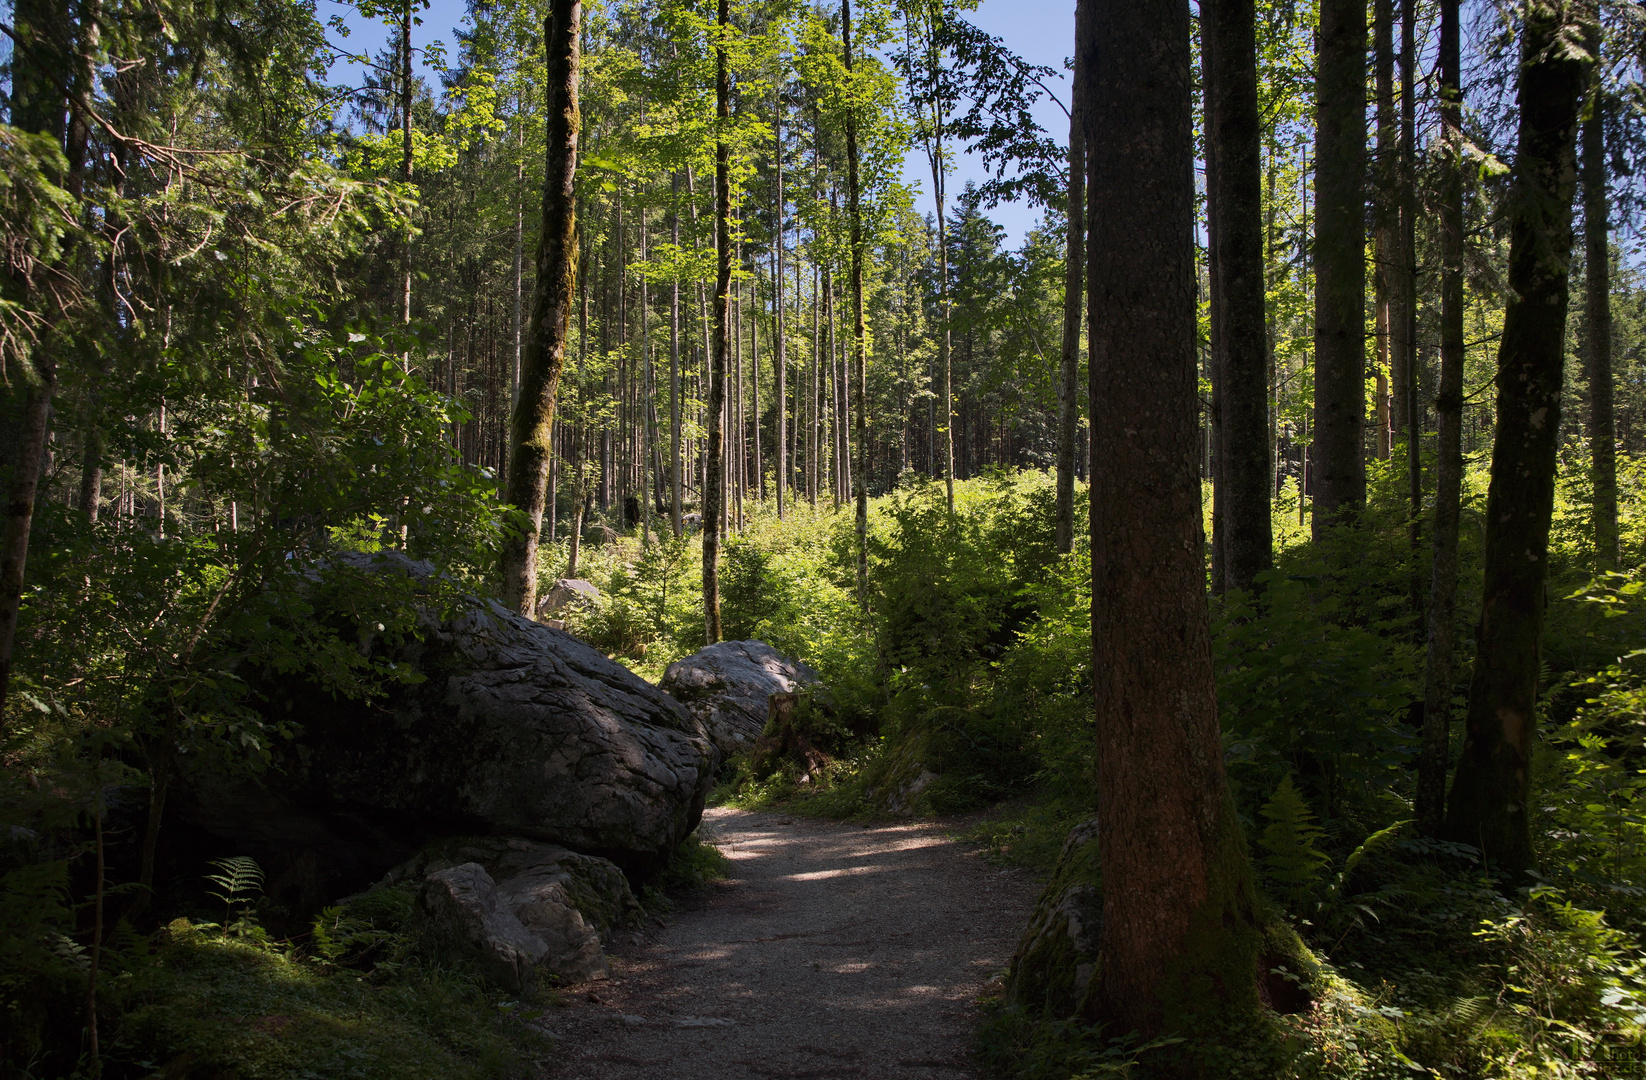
(218, 1006)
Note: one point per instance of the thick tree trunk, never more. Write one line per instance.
(1179, 922)
(1489, 798)
(532, 427)
(1074, 279)
(714, 480)
(1340, 265)
(1236, 131)
(1437, 691)
(1598, 317)
(860, 330)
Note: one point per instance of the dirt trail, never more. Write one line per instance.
(832, 950)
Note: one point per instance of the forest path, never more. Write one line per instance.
(832, 949)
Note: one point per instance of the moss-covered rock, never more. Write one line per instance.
(595, 887)
(1052, 971)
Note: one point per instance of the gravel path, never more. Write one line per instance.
(832, 950)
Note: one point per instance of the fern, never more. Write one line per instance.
(1293, 862)
(241, 881)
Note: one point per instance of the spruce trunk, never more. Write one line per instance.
(1339, 476)
(1179, 934)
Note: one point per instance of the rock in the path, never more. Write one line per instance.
(513, 729)
(1056, 960)
(566, 593)
(728, 686)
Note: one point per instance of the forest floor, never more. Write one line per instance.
(831, 949)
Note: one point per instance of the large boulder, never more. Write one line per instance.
(566, 593)
(461, 914)
(515, 729)
(728, 686)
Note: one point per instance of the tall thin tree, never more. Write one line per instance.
(860, 330)
(1492, 789)
(532, 427)
(1597, 315)
(714, 492)
(1441, 637)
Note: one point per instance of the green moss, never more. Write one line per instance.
(216, 1007)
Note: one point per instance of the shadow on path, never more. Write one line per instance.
(832, 950)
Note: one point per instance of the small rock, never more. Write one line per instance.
(631, 1021)
(702, 1022)
(459, 917)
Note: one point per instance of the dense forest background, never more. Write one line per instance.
(252, 318)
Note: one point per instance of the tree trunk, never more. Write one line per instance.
(860, 330)
(1598, 316)
(1178, 900)
(532, 426)
(405, 158)
(1236, 131)
(1385, 214)
(1340, 265)
(675, 468)
(779, 362)
(1488, 804)
(1405, 340)
(1074, 278)
(713, 485)
(1442, 635)
(945, 347)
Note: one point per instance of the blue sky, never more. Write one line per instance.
(1041, 31)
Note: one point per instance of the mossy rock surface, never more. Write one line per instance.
(1054, 969)
(596, 887)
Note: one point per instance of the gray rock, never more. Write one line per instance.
(566, 593)
(513, 730)
(527, 871)
(459, 916)
(728, 686)
(1056, 961)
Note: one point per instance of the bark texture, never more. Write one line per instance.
(1488, 806)
(1235, 129)
(1179, 937)
(1442, 633)
(532, 427)
(1339, 477)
